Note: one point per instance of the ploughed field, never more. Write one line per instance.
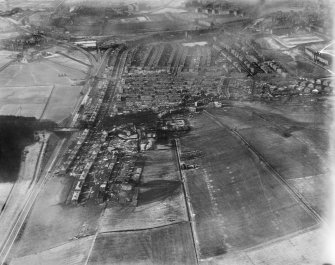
(239, 203)
(170, 244)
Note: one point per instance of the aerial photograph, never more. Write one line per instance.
(167, 132)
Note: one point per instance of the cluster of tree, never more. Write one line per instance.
(23, 42)
(15, 134)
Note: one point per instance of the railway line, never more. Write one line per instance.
(29, 203)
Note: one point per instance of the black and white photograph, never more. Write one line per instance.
(167, 132)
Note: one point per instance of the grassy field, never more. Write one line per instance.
(27, 89)
(25, 101)
(51, 223)
(236, 202)
(33, 4)
(166, 245)
(160, 165)
(62, 102)
(289, 156)
(72, 253)
(295, 145)
(302, 248)
(5, 57)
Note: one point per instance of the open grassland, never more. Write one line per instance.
(33, 4)
(295, 145)
(46, 88)
(170, 244)
(24, 101)
(236, 202)
(304, 248)
(160, 165)
(93, 26)
(51, 223)
(69, 64)
(6, 57)
(289, 156)
(62, 103)
(72, 253)
(7, 30)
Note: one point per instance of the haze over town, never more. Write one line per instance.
(166, 132)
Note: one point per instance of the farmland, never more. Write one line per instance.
(165, 245)
(265, 208)
(52, 223)
(294, 142)
(305, 247)
(51, 95)
(74, 253)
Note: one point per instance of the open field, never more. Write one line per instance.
(72, 253)
(160, 165)
(297, 150)
(31, 74)
(250, 208)
(69, 64)
(25, 101)
(289, 156)
(161, 199)
(170, 244)
(62, 102)
(305, 247)
(113, 3)
(33, 4)
(90, 26)
(47, 88)
(7, 30)
(6, 57)
(51, 223)
(165, 211)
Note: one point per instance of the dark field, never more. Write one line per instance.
(15, 134)
(161, 198)
(238, 203)
(295, 147)
(167, 245)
